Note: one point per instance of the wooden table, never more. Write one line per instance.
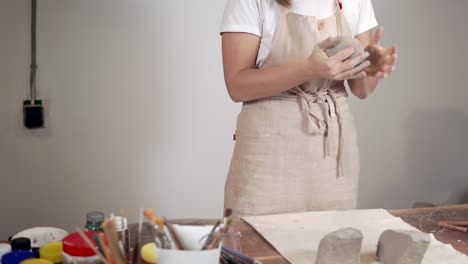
(425, 219)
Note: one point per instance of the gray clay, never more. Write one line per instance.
(340, 247)
(402, 247)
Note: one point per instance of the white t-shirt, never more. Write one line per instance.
(260, 17)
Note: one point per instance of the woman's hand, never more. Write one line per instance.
(346, 64)
(382, 60)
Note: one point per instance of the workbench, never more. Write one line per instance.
(425, 219)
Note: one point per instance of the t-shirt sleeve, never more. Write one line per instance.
(366, 18)
(242, 16)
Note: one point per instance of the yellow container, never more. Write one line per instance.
(148, 253)
(51, 252)
(36, 261)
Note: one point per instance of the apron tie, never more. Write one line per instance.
(317, 126)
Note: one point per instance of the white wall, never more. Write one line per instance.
(413, 129)
(136, 102)
(138, 111)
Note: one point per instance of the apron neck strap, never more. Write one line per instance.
(339, 19)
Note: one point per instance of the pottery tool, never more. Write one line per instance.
(91, 245)
(454, 225)
(113, 241)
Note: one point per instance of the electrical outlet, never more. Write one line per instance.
(33, 114)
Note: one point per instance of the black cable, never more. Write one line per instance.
(33, 67)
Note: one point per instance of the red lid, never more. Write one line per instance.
(74, 245)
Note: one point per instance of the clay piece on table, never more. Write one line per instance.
(340, 247)
(402, 247)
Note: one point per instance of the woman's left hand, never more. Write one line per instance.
(387, 57)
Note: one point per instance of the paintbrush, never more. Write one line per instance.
(158, 223)
(91, 245)
(228, 258)
(98, 243)
(110, 230)
(240, 256)
(212, 235)
(173, 235)
(100, 240)
(220, 234)
(136, 250)
(122, 227)
(223, 260)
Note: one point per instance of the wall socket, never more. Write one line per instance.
(33, 114)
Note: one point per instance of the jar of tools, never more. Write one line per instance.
(122, 232)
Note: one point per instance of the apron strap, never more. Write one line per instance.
(319, 126)
(339, 19)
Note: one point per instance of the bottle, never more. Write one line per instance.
(94, 221)
(122, 231)
(75, 249)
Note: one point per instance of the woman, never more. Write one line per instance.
(296, 147)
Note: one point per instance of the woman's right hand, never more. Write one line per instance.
(341, 66)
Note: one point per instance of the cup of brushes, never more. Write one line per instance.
(172, 244)
(185, 243)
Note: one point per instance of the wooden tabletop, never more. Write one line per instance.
(425, 219)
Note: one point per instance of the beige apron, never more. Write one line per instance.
(296, 151)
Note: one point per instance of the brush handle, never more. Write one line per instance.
(174, 237)
(210, 237)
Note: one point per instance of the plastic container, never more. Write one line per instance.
(52, 252)
(76, 251)
(36, 261)
(21, 243)
(15, 257)
(94, 221)
(4, 249)
(122, 228)
(40, 236)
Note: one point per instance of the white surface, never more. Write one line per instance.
(4, 249)
(40, 236)
(69, 259)
(260, 17)
(191, 238)
(136, 99)
(297, 236)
